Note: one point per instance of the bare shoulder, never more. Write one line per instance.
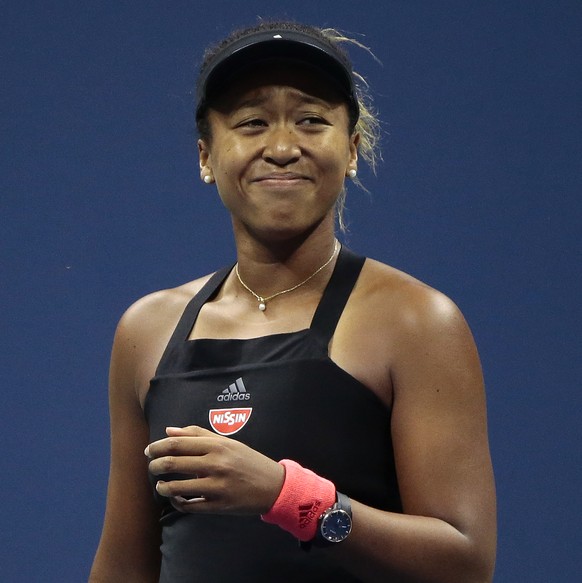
(159, 310)
(405, 303)
(144, 332)
(392, 322)
(428, 343)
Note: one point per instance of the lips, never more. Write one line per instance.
(281, 179)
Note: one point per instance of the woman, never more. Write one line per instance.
(305, 393)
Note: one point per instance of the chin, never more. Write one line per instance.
(278, 233)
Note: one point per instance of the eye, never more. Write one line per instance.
(254, 122)
(313, 120)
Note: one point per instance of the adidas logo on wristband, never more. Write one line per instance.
(308, 513)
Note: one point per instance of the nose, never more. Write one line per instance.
(282, 147)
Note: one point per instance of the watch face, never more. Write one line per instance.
(336, 526)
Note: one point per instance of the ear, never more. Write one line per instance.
(204, 157)
(353, 158)
(354, 144)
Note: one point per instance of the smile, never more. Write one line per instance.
(281, 179)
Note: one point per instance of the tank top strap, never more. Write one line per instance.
(186, 322)
(335, 296)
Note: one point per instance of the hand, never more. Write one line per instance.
(228, 477)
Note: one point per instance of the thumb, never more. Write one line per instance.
(190, 430)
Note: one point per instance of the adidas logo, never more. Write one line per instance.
(308, 513)
(235, 392)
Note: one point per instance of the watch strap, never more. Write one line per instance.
(343, 503)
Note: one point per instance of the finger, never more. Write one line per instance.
(186, 489)
(186, 445)
(198, 505)
(196, 466)
(182, 500)
(191, 430)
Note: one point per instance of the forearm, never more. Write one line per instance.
(401, 548)
(110, 569)
(112, 576)
(129, 549)
(105, 573)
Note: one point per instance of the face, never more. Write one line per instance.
(279, 151)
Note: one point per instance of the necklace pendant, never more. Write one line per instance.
(262, 306)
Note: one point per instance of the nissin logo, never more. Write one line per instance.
(229, 421)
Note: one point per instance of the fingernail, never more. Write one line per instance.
(147, 451)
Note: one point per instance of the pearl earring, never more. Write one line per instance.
(207, 179)
(352, 173)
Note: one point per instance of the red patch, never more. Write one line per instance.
(229, 421)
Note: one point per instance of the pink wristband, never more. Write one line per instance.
(302, 500)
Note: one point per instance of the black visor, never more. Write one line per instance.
(269, 45)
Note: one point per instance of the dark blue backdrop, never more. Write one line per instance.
(101, 203)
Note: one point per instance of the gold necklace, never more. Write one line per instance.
(263, 300)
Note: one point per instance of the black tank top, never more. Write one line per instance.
(283, 396)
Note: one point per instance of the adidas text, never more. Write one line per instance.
(234, 397)
(236, 392)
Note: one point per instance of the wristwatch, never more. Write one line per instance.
(334, 525)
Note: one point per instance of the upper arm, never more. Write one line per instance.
(439, 420)
(129, 549)
(129, 546)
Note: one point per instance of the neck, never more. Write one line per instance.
(268, 270)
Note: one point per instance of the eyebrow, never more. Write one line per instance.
(250, 102)
(301, 97)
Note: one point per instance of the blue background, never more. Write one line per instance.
(101, 203)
